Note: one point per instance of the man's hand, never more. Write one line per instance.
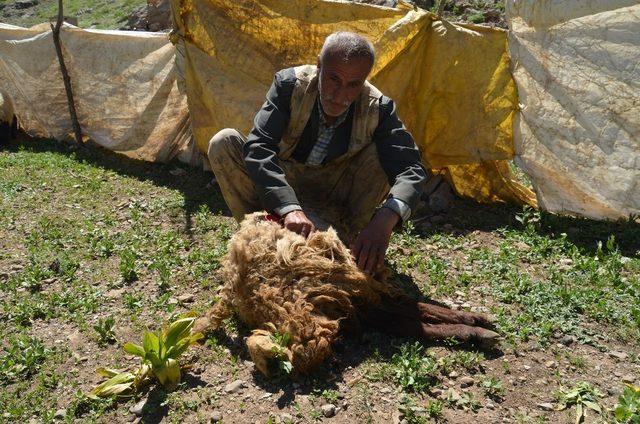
(370, 247)
(298, 222)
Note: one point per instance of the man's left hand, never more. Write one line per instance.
(370, 247)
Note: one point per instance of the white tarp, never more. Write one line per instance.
(577, 66)
(124, 84)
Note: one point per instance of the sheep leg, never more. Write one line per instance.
(407, 327)
(430, 313)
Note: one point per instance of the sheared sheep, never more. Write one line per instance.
(8, 120)
(278, 281)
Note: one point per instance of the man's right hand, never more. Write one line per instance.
(298, 222)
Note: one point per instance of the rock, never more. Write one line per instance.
(466, 382)
(545, 406)
(629, 379)
(154, 16)
(234, 386)
(385, 390)
(454, 374)
(567, 340)
(328, 410)
(618, 355)
(60, 414)
(216, 417)
(138, 407)
(490, 406)
(286, 418)
(25, 4)
(441, 200)
(551, 364)
(186, 298)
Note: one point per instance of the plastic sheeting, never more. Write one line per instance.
(578, 134)
(124, 84)
(452, 83)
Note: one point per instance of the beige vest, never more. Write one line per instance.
(365, 118)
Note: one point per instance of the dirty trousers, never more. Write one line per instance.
(343, 193)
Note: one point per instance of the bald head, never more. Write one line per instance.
(346, 47)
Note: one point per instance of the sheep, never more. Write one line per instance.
(279, 282)
(8, 119)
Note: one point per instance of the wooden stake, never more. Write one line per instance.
(441, 7)
(65, 75)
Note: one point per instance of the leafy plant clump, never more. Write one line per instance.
(627, 410)
(159, 355)
(413, 369)
(583, 396)
(104, 328)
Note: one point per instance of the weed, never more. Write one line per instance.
(23, 357)
(583, 396)
(281, 342)
(493, 388)
(413, 368)
(104, 328)
(627, 410)
(128, 265)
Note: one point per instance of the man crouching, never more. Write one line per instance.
(327, 148)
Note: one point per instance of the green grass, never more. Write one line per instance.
(88, 235)
(102, 14)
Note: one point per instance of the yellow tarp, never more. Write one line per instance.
(452, 83)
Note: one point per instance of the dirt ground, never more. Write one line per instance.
(565, 293)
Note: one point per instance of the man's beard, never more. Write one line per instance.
(325, 99)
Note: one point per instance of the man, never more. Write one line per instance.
(326, 148)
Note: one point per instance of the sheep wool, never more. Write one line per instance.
(277, 280)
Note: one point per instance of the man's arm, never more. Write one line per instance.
(400, 159)
(263, 145)
(261, 155)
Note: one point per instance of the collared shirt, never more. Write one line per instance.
(325, 134)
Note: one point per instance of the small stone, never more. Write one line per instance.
(234, 386)
(328, 410)
(216, 417)
(545, 406)
(178, 172)
(466, 382)
(138, 407)
(60, 414)
(567, 340)
(186, 298)
(618, 355)
(385, 390)
(490, 406)
(551, 364)
(526, 367)
(286, 418)
(629, 379)
(453, 374)
(172, 301)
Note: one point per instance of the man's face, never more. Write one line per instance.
(340, 83)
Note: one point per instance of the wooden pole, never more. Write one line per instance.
(441, 5)
(65, 75)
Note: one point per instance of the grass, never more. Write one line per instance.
(120, 241)
(102, 14)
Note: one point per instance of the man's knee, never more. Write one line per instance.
(225, 142)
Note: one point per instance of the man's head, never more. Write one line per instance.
(344, 62)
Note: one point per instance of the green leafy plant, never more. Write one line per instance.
(128, 265)
(104, 328)
(494, 388)
(583, 396)
(22, 358)
(159, 355)
(627, 410)
(281, 342)
(412, 368)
